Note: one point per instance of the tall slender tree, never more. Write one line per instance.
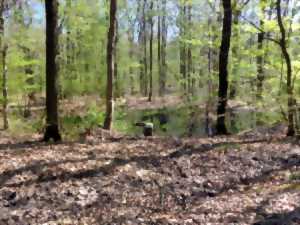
(69, 45)
(236, 11)
(145, 49)
(3, 47)
(223, 70)
(260, 62)
(159, 39)
(117, 91)
(130, 36)
(237, 7)
(151, 53)
(182, 30)
(287, 58)
(52, 129)
(260, 55)
(4, 87)
(111, 36)
(189, 49)
(163, 63)
(142, 40)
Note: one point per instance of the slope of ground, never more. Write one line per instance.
(229, 180)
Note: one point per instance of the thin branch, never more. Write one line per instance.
(260, 30)
(244, 4)
(253, 24)
(273, 40)
(211, 5)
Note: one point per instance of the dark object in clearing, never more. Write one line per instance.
(147, 128)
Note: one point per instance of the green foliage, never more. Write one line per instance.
(74, 124)
(121, 122)
(294, 176)
(82, 58)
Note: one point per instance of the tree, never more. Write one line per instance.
(223, 71)
(52, 129)
(286, 55)
(163, 54)
(237, 7)
(260, 62)
(4, 87)
(189, 50)
(142, 40)
(159, 40)
(182, 31)
(3, 47)
(260, 55)
(145, 50)
(69, 42)
(117, 91)
(235, 48)
(151, 53)
(111, 36)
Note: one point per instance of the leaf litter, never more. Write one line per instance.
(223, 180)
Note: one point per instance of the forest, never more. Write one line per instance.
(151, 112)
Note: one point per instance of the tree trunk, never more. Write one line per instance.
(291, 101)
(4, 87)
(116, 78)
(52, 130)
(164, 32)
(69, 48)
(223, 72)
(131, 54)
(145, 58)
(235, 54)
(260, 58)
(209, 101)
(260, 62)
(110, 65)
(151, 54)
(215, 29)
(183, 46)
(141, 42)
(189, 49)
(4, 70)
(159, 41)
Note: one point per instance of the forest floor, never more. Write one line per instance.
(252, 178)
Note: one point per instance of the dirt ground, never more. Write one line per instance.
(249, 179)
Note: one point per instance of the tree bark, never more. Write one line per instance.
(4, 70)
(141, 39)
(69, 48)
(145, 58)
(110, 65)
(4, 87)
(131, 54)
(151, 54)
(260, 62)
(189, 49)
(283, 45)
(164, 32)
(116, 77)
(235, 53)
(52, 129)
(260, 57)
(183, 46)
(159, 40)
(223, 71)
